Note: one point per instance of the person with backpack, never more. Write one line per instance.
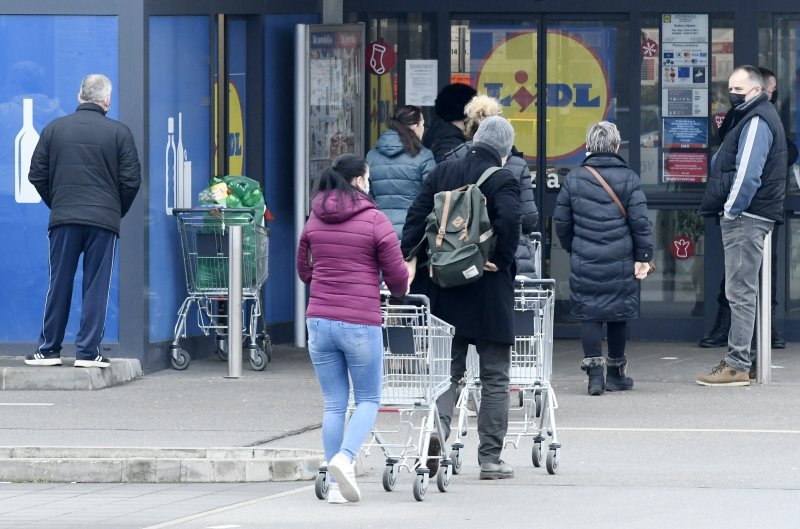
(481, 310)
(602, 222)
(344, 248)
(478, 109)
(399, 164)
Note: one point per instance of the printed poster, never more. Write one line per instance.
(685, 133)
(421, 85)
(687, 167)
(684, 28)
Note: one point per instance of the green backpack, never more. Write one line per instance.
(459, 234)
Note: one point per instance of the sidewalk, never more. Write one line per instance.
(199, 408)
(668, 454)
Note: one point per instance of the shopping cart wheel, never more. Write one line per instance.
(179, 358)
(389, 478)
(536, 454)
(258, 358)
(266, 344)
(458, 460)
(222, 347)
(552, 461)
(443, 478)
(420, 486)
(321, 484)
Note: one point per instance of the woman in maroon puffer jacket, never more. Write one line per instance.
(345, 246)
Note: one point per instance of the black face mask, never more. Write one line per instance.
(736, 99)
(774, 99)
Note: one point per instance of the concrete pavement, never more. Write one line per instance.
(669, 453)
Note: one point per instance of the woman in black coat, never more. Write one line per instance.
(609, 253)
(478, 109)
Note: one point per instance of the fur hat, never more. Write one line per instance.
(452, 99)
(496, 132)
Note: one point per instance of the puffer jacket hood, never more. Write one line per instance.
(338, 207)
(389, 144)
(396, 177)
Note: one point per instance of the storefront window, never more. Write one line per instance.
(391, 42)
(787, 69)
(679, 163)
(675, 289)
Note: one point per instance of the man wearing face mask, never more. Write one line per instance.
(746, 187)
(718, 337)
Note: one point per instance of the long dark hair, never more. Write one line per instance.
(339, 177)
(402, 120)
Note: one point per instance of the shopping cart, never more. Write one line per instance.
(530, 372)
(416, 371)
(204, 242)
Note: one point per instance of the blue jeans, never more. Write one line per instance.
(743, 239)
(336, 348)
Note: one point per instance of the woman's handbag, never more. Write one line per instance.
(616, 200)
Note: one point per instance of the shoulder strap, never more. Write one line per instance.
(486, 174)
(608, 189)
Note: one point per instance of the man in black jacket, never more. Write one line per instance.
(86, 169)
(746, 188)
(718, 337)
(482, 312)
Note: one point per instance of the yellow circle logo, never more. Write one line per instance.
(577, 91)
(235, 147)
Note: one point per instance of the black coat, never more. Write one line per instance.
(86, 169)
(482, 310)
(441, 138)
(529, 214)
(602, 244)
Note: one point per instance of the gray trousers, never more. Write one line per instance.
(495, 361)
(743, 240)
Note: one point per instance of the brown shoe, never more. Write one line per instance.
(724, 375)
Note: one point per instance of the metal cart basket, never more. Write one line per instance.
(416, 371)
(530, 372)
(204, 242)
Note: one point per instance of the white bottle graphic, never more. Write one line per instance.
(24, 144)
(183, 175)
(170, 169)
(186, 196)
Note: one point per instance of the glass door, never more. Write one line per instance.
(787, 70)
(586, 76)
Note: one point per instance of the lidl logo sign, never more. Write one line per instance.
(577, 92)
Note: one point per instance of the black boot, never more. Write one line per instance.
(615, 375)
(718, 337)
(593, 366)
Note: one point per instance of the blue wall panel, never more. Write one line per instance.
(279, 160)
(179, 87)
(43, 58)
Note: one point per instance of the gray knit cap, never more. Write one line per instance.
(496, 132)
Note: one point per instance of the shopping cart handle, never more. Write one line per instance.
(525, 281)
(407, 299)
(223, 210)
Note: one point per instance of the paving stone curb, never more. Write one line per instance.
(66, 377)
(156, 465)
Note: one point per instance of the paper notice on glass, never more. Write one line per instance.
(680, 102)
(421, 82)
(684, 28)
(684, 54)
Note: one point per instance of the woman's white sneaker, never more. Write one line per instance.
(335, 495)
(343, 471)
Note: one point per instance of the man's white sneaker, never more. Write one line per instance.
(98, 361)
(343, 471)
(335, 495)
